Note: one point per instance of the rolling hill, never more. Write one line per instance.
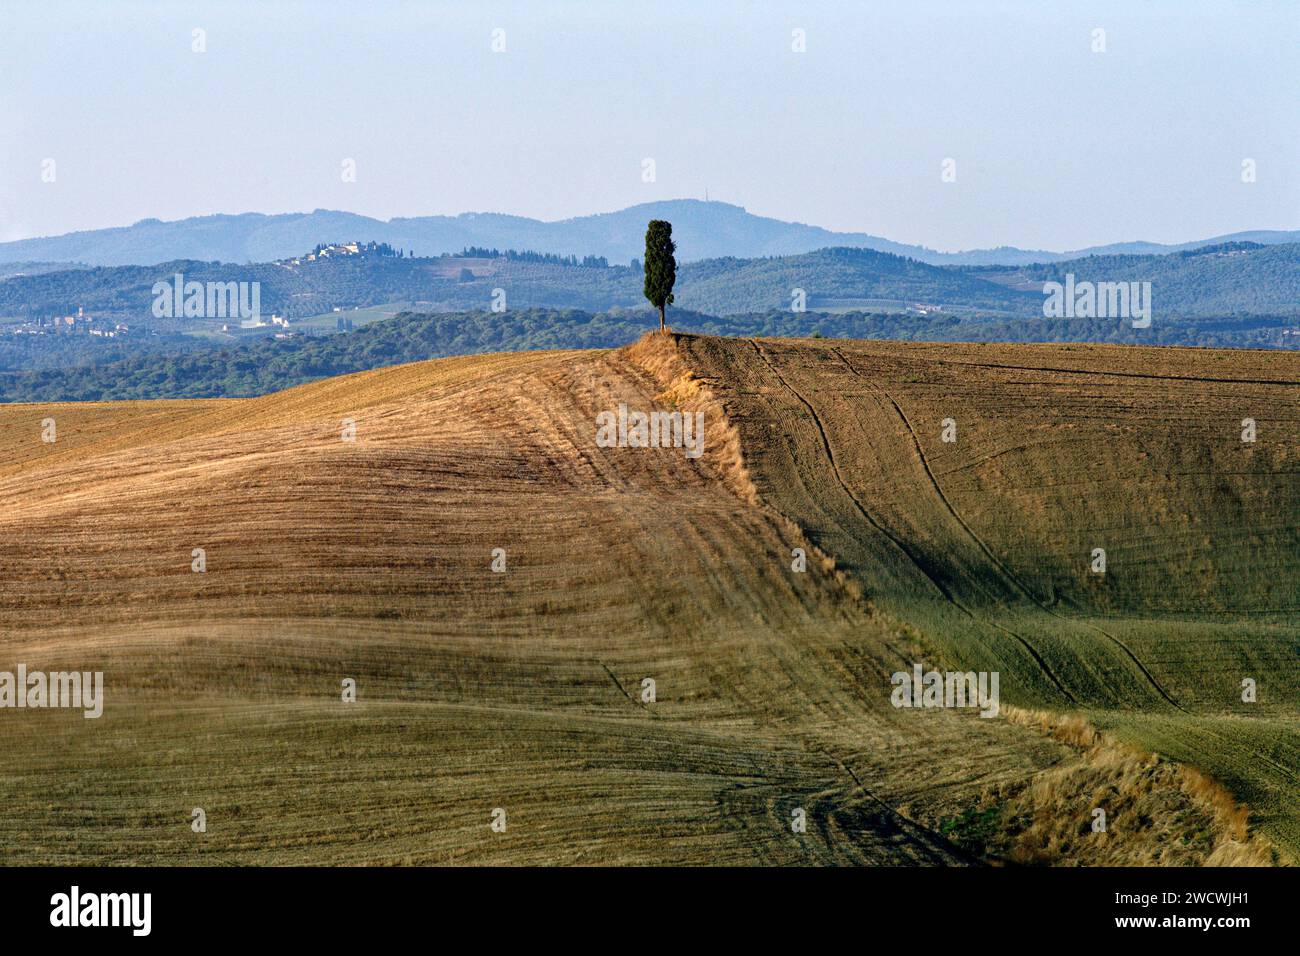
(178, 366)
(1227, 279)
(703, 229)
(524, 689)
(717, 286)
(1233, 283)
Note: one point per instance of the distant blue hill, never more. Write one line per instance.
(703, 230)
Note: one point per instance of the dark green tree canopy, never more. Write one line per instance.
(660, 266)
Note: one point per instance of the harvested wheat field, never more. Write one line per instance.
(524, 687)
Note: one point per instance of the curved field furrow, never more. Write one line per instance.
(997, 565)
(993, 541)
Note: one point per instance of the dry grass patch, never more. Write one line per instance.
(1158, 813)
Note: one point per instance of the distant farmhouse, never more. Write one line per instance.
(79, 324)
(338, 250)
(257, 322)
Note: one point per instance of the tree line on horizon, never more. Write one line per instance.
(266, 365)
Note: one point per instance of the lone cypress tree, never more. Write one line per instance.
(660, 266)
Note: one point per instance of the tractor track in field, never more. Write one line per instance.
(1008, 576)
(1012, 579)
(623, 690)
(1102, 372)
(935, 842)
(917, 562)
(835, 468)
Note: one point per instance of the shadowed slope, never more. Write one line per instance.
(985, 543)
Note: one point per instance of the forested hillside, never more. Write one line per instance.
(266, 365)
(1236, 279)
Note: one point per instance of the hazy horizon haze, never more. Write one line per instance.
(1142, 142)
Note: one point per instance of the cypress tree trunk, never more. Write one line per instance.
(663, 326)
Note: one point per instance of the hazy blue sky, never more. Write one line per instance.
(1055, 146)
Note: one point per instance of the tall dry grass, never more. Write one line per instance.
(1158, 812)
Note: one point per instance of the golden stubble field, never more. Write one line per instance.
(523, 690)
